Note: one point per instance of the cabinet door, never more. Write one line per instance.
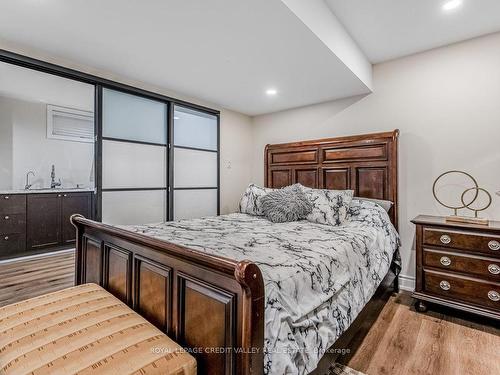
(73, 203)
(43, 220)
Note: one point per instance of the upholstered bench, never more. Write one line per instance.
(85, 330)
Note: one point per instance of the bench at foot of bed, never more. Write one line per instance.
(85, 330)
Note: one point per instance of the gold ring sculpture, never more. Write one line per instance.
(477, 190)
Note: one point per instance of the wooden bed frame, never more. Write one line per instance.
(206, 302)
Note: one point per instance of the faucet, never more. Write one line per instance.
(28, 185)
(53, 183)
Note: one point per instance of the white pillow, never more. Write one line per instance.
(250, 201)
(329, 206)
(386, 205)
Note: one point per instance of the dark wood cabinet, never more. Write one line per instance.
(73, 203)
(48, 218)
(40, 221)
(12, 225)
(43, 220)
(458, 265)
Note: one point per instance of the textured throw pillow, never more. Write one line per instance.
(250, 201)
(287, 204)
(329, 206)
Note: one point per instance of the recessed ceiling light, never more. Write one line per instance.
(452, 4)
(271, 92)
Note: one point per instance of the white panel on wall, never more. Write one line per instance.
(195, 129)
(190, 204)
(132, 117)
(132, 165)
(193, 168)
(133, 207)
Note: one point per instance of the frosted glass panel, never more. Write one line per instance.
(193, 168)
(195, 129)
(133, 207)
(132, 165)
(131, 117)
(190, 204)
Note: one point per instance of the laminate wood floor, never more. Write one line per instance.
(439, 342)
(23, 279)
(401, 341)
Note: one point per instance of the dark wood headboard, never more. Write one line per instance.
(367, 164)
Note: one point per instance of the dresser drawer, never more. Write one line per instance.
(12, 223)
(469, 290)
(469, 241)
(12, 243)
(474, 265)
(12, 204)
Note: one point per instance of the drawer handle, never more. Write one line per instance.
(6, 238)
(7, 217)
(6, 197)
(494, 245)
(445, 261)
(494, 295)
(445, 285)
(445, 239)
(494, 269)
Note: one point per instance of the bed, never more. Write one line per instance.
(248, 297)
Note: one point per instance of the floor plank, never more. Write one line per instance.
(27, 278)
(441, 341)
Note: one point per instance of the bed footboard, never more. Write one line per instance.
(211, 305)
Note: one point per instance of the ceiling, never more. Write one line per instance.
(229, 52)
(388, 29)
(33, 86)
(226, 52)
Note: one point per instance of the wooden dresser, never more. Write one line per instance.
(458, 265)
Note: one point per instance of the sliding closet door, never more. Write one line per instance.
(134, 159)
(195, 164)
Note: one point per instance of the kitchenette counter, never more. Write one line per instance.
(45, 191)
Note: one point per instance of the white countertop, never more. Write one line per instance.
(45, 191)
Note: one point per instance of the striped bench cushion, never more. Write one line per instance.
(84, 330)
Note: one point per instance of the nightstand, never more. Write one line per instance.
(458, 265)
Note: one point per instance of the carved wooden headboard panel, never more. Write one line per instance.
(367, 164)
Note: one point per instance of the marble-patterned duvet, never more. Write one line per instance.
(317, 277)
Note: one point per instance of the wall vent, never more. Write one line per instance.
(70, 124)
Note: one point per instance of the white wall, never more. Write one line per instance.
(236, 158)
(32, 150)
(5, 147)
(234, 143)
(446, 102)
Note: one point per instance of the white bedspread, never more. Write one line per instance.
(317, 277)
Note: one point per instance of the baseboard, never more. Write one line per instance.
(407, 283)
(35, 256)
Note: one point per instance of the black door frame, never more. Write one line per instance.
(99, 83)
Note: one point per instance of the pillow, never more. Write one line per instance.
(250, 201)
(287, 204)
(386, 205)
(329, 206)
